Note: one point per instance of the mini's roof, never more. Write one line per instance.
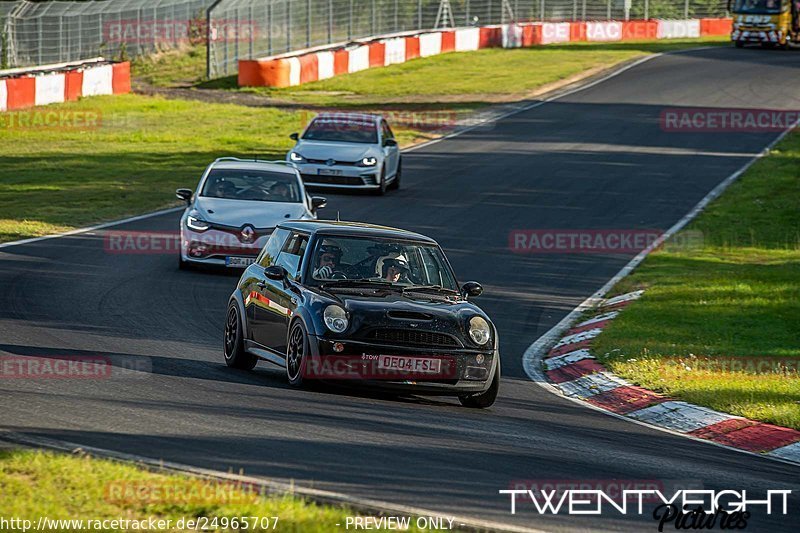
(252, 164)
(353, 229)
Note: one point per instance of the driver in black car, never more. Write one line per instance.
(395, 270)
(328, 260)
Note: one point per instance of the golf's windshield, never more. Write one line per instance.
(238, 184)
(756, 7)
(342, 260)
(343, 128)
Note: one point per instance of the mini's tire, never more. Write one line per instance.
(739, 44)
(297, 351)
(486, 399)
(183, 265)
(233, 341)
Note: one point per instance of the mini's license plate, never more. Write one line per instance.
(237, 262)
(328, 172)
(410, 364)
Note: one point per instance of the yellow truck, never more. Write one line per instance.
(772, 23)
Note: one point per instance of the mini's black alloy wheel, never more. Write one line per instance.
(235, 355)
(296, 353)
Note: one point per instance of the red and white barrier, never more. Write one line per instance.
(604, 31)
(512, 36)
(678, 29)
(50, 89)
(319, 64)
(555, 32)
(468, 39)
(26, 88)
(395, 51)
(430, 44)
(358, 58)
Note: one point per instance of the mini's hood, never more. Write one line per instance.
(394, 310)
(237, 213)
(336, 151)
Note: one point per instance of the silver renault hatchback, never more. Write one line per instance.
(347, 150)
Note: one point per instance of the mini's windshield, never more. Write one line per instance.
(380, 261)
(343, 128)
(756, 7)
(238, 184)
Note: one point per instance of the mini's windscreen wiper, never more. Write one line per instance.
(423, 288)
(362, 282)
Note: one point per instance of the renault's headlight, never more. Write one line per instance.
(197, 223)
(295, 157)
(335, 318)
(479, 330)
(368, 162)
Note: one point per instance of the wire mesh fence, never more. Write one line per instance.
(43, 32)
(36, 33)
(245, 29)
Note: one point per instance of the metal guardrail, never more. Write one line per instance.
(246, 29)
(57, 31)
(36, 33)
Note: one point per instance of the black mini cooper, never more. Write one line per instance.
(338, 301)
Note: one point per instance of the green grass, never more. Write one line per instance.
(38, 484)
(481, 76)
(143, 149)
(734, 299)
(55, 180)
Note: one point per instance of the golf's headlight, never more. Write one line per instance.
(297, 158)
(479, 330)
(197, 223)
(335, 318)
(369, 162)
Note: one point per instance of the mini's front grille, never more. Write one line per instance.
(407, 337)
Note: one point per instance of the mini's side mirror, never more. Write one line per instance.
(294, 136)
(318, 202)
(275, 272)
(471, 288)
(389, 142)
(184, 194)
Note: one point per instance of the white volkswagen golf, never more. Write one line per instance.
(348, 150)
(235, 208)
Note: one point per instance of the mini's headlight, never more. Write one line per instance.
(335, 318)
(369, 162)
(297, 158)
(479, 330)
(197, 223)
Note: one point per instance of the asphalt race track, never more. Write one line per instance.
(596, 159)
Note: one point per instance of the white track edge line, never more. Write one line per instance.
(318, 495)
(456, 133)
(78, 231)
(531, 359)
